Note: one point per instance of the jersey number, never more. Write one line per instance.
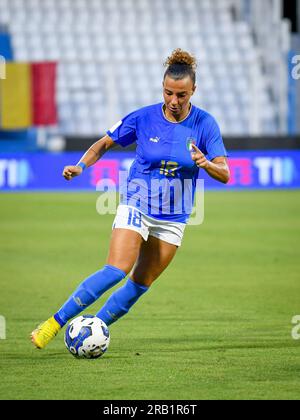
(168, 168)
(134, 218)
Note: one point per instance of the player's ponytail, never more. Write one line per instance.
(180, 65)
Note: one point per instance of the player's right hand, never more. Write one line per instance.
(70, 172)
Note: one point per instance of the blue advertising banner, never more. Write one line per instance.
(269, 169)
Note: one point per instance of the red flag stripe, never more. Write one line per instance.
(44, 93)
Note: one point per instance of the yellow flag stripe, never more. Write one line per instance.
(16, 97)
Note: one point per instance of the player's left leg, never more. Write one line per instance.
(154, 257)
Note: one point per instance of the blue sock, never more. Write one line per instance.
(121, 301)
(88, 292)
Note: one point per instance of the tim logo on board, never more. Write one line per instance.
(275, 171)
(264, 171)
(14, 173)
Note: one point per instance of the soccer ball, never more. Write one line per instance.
(87, 337)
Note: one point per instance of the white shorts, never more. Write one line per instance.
(128, 217)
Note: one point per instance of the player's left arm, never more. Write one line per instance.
(217, 168)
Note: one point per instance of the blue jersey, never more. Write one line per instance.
(163, 177)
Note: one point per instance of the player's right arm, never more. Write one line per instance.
(94, 153)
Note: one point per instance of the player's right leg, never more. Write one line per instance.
(124, 250)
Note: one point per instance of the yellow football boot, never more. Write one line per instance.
(45, 332)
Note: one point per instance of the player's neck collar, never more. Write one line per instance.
(175, 122)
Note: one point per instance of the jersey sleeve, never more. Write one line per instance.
(124, 132)
(214, 141)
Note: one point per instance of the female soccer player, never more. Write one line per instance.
(174, 140)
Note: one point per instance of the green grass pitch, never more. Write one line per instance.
(216, 325)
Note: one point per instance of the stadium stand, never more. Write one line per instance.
(110, 56)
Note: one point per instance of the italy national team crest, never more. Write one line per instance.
(189, 142)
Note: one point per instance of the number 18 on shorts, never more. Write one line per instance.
(128, 217)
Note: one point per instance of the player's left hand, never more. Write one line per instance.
(199, 158)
